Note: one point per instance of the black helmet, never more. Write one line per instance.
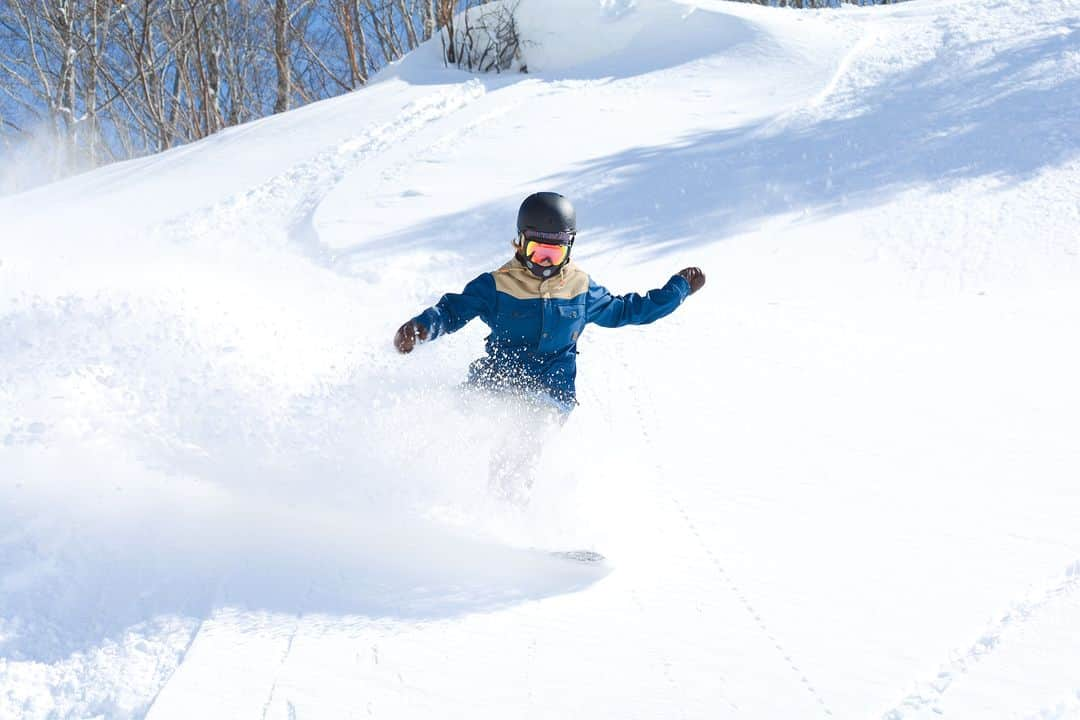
(547, 212)
(549, 218)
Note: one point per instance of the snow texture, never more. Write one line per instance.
(839, 482)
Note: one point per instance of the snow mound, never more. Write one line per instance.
(622, 37)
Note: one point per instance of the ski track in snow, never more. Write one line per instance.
(295, 630)
(930, 692)
(281, 664)
(290, 199)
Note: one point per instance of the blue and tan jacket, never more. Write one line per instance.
(535, 323)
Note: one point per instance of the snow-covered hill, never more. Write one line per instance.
(841, 481)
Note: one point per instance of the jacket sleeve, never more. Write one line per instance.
(455, 309)
(607, 310)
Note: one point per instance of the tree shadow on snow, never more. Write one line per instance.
(939, 124)
(990, 121)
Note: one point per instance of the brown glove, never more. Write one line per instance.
(408, 335)
(694, 276)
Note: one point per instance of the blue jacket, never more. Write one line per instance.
(535, 324)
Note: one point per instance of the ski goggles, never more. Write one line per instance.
(553, 247)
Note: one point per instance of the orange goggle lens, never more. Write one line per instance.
(538, 252)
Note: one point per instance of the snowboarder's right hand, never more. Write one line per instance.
(694, 276)
(408, 335)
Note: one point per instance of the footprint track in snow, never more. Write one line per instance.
(290, 198)
(643, 397)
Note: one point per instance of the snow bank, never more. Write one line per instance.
(621, 36)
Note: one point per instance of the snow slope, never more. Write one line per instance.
(841, 481)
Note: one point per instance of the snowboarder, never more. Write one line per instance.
(537, 305)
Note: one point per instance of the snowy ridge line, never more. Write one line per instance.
(290, 198)
(835, 92)
(930, 692)
(644, 392)
(869, 37)
(179, 661)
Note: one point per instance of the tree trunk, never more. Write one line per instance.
(216, 40)
(91, 81)
(64, 105)
(281, 56)
(427, 14)
(445, 19)
(386, 42)
(406, 18)
(346, 21)
(361, 37)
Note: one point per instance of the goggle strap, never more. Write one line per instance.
(563, 237)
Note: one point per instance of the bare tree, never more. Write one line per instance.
(427, 18)
(382, 24)
(347, 21)
(444, 17)
(281, 56)
(486, 38)
(407, 21)
(362, 47)
(114, 79)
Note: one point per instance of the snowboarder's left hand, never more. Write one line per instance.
(408, 335)
(694, 276)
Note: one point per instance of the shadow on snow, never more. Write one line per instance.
(195, 486)
(937, 125)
